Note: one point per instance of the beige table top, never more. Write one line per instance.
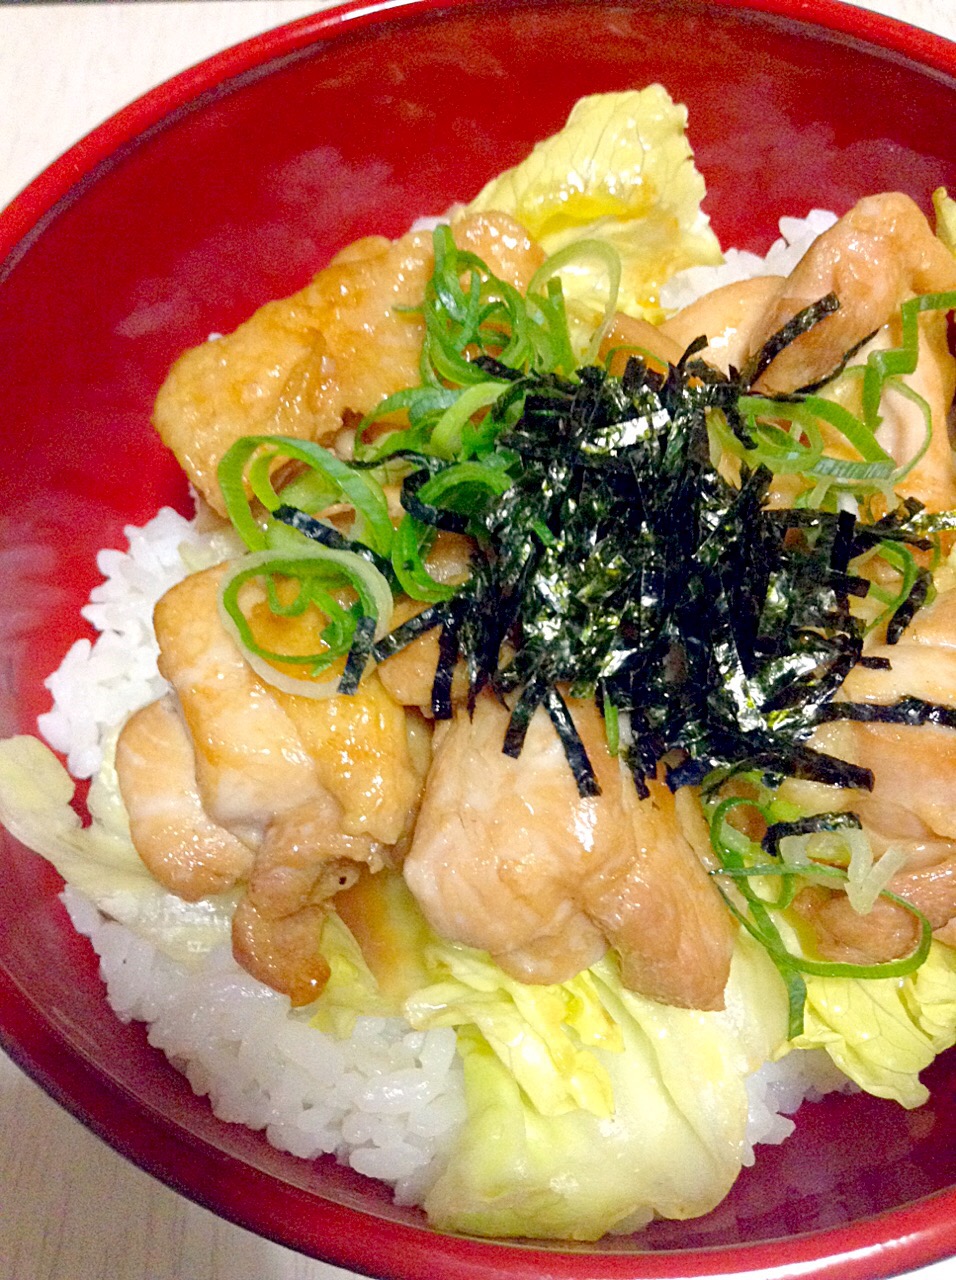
(70, 1208)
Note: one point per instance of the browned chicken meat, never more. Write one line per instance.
(289, 794)
(874, 258)
(343, 343)
(728, 318)
(508, 857)
(174, 835)
(912, 807)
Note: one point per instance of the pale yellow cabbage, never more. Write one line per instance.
(351, 990)
(883, 1032)
(542, 1034)
(621, 170)
(672, 1145)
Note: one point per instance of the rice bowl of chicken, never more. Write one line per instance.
(544, 938)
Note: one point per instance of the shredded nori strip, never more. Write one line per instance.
(359, 654)
(622, 567)
(801, 323)
(531, 698)
(328, 536)
(912, 711)
(777, 831)
(577, 757)
(445, 671)
(436, 517)
(403, 635)
(619, 565)
(911, 605)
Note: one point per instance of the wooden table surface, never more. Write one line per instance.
(70, 1208)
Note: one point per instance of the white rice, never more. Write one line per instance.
(796, 237)
(97, 686)
(389, 1100)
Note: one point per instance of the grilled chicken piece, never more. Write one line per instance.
(262, 753)
(292, 794)
(881, 253)
(508, 857)
(922, 662)
(728, 317)
(306, 858)
(902, 431)
(250, 760)
(896, 816)
(283, 953)
(913, 803)
(180, 844)
(631, 335)
(304, 861)
(874, 258)
(342, 343)
(842, 934)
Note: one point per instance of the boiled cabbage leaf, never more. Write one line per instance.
(377, 943)
(352, 989)
(542, 1034)
(621, 171)
(672, 1144)
(883, 1032)
(100, 860)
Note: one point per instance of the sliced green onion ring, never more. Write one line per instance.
(373, 524)
(321, 569)
(611, 261)
(839, 969)
(882, 365)
(446, 438)
(730, 848)
(779, 451)
(413, 540)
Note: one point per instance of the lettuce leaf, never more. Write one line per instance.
(35, 806)
(882, 1033)
(621, 170)
(674, 1140)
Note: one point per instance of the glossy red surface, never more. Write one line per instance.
(232, 184)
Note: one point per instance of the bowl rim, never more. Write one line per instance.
(27, 214)
(923, 1231)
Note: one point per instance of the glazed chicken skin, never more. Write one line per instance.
(182, 846)
(289, 795)
(341, 345)
(509, 858)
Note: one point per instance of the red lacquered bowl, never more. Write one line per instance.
(232, 184)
